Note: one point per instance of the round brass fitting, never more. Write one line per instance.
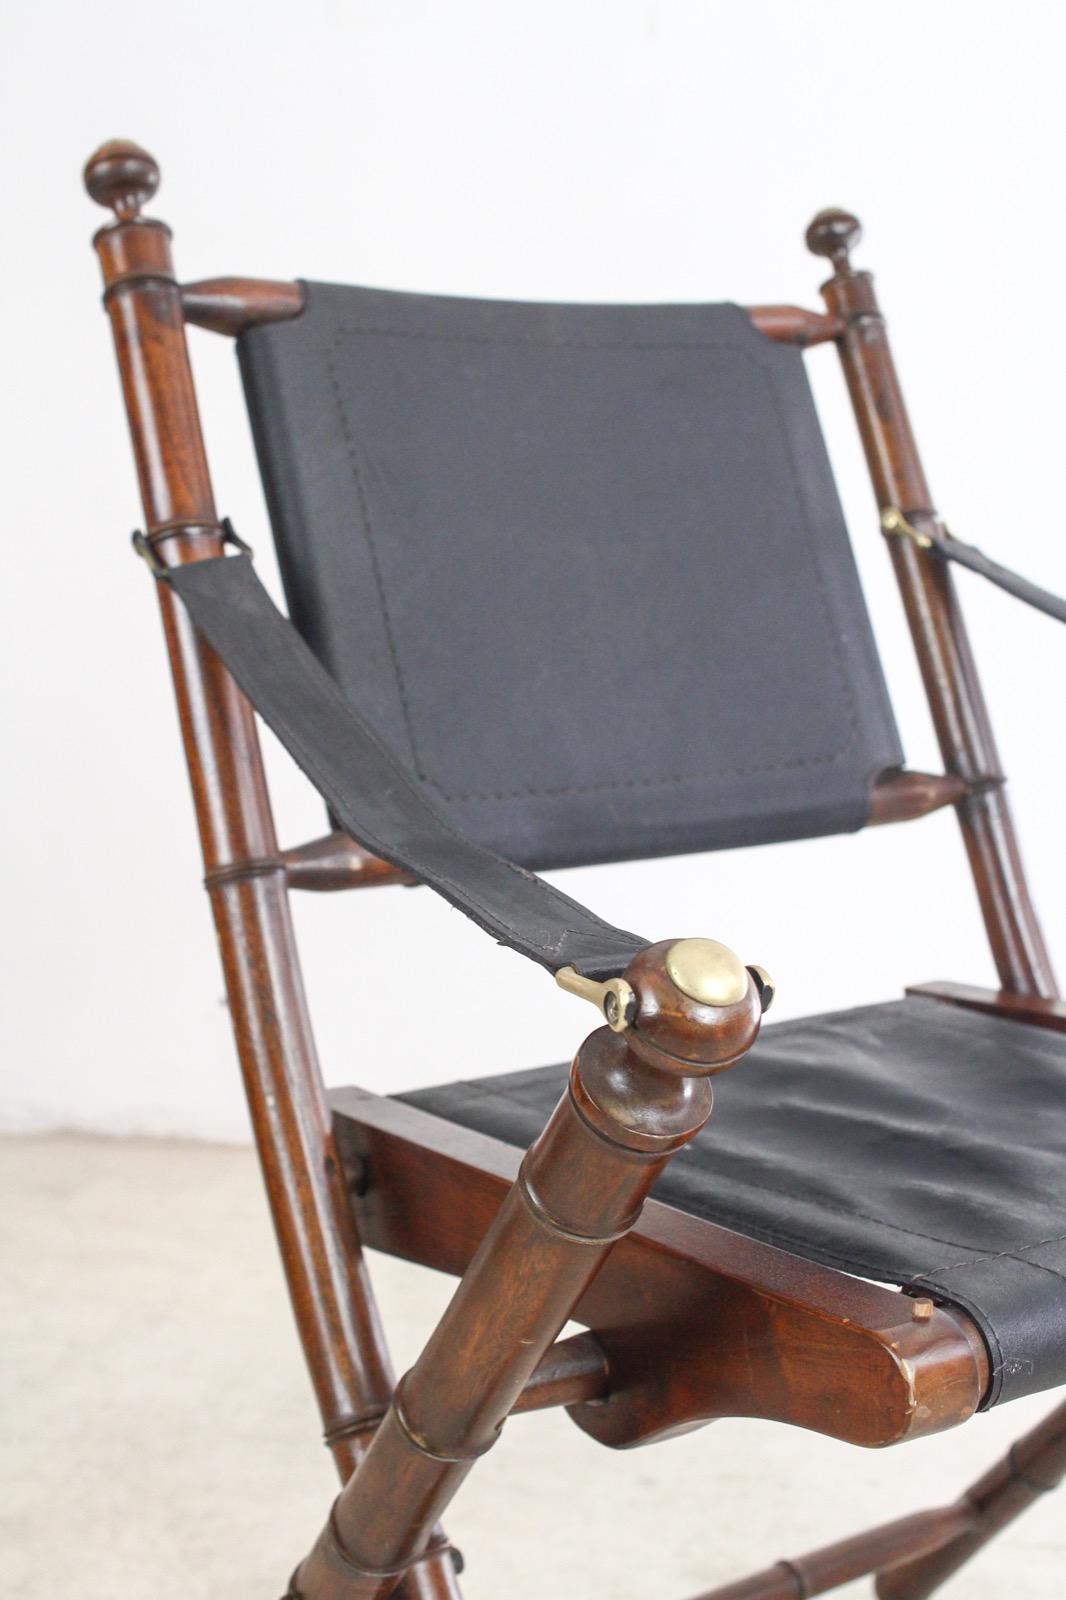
(698, 1007)
(707, 971)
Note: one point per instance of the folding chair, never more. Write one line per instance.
(572, 584)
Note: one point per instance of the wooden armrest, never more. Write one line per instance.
(697, 1322)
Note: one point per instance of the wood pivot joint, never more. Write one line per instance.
(637, 1094)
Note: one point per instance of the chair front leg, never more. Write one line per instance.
(638, 1092)
(1033, 1466)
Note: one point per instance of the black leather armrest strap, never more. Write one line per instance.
(367, 788)
(931, 534)
(968, 555)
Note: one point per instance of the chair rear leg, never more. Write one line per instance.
(1033, 1466)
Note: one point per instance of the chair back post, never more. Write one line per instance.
(305, 1182)
(947, 665)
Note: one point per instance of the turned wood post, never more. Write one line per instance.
(639, 1090)
(803, 1577)
(1033, 1466)
(320, 1250)
(936, 624)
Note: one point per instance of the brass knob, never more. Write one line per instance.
(698, 1007)
(707, 971)
(685, 1004)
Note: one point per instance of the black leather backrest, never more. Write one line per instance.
(583, 567)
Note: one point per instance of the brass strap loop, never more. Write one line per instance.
(894, 522)
(144, 544)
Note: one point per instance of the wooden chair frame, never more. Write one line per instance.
(820, 1349)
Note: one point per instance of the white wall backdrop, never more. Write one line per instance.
(574, 149)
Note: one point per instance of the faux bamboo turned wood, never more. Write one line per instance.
(697, 1322)
(320, 1248)
(1033, 1466)
(591, 1167)
(634, 1099)
(1031, 1008)
(937, 628)
(572, 1372)
(337, 862)
(231, 305)
(854, 322)
(795, 325)
(825, 1569)
(904, 796)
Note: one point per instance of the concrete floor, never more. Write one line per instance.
(159, 1439)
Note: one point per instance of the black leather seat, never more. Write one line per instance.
(913, 1142)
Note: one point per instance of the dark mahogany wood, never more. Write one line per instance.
(795, 325)
(337, 862)
(697, 1321)
(1038, 1462)
(687, 1321)
(876, 1548)
(1033, 1466)
(937, 628)
(572, 1372)
(1032, 1008)
(231, 305)
(633, 1100)
(903, 796)
(320, 1247)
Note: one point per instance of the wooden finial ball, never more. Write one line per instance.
(123, 176)
(834, 233)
